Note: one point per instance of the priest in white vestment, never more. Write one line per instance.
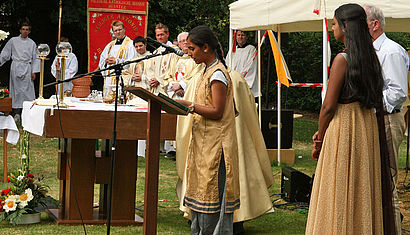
(245, 62)
(25, 64)
(181, 70)
(117, 51)
(134, 75)
(157, 67)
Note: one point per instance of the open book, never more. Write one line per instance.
(172, 101)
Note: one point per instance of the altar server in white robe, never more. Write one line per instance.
(70, 67)
(243, 61)
(25, 64)
(117, 51)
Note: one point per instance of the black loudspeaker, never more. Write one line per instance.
(270, 128)
(295, 185)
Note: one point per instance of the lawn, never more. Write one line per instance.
(285, 219)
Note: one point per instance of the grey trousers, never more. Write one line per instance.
(219, 223)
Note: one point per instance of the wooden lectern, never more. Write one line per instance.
(155, 104)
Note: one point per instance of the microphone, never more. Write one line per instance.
(169, 48)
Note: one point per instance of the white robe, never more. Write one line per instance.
(124, 52)
(23, 53)
(71, 68)
(243, 62)
(157, 67)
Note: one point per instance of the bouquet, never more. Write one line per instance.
(4, 92)
(3, 35)
(25, 193)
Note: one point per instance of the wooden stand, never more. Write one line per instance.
(5, 107)
(79, 168)
(155, 104)
(286, 155)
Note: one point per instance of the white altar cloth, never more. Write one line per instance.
(8, 123)
(33, 115)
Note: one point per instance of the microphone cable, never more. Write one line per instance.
(69, 165)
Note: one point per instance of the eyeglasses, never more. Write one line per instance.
(25, 29)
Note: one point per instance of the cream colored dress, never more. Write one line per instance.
(346, 195)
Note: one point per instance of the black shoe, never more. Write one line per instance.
(238, 228)
(171, 155)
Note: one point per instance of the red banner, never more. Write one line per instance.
(101, 14)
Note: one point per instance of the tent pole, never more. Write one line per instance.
(259, 80)
(230, 47)
(324, 62)
(279, 106)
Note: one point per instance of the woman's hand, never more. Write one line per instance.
(317, 146)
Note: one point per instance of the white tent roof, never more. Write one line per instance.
(298, 16)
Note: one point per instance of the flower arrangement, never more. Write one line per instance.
(3, 35)
(25, 193)
(4, 92)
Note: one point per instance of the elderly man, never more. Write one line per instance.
(395, 66)
(181, 70)
(25, 65)
(243, 61)
(117, 51)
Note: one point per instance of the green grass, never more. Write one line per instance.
(43, 161)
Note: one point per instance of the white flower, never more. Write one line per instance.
(25, 197)
(20, 177)
(3, 35)
(23, 156)
(10, 203)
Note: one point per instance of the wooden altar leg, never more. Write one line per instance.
(5, 155)
(80, 170)
(124, 187)
(151, 168)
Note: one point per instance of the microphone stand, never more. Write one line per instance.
(118, 70)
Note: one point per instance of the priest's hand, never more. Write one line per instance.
(153, 82)
(180, 92)
(58, 66)
(33, 76)
(110, 60)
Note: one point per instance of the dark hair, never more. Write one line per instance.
(140, 39)
(25, 23)
(363, 79)
(202, 35)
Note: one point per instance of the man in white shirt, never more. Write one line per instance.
(244, 61)
(70, 67)
(117, 51)
(394, 61)
(25, 65)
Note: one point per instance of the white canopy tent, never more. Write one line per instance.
(298, 16)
